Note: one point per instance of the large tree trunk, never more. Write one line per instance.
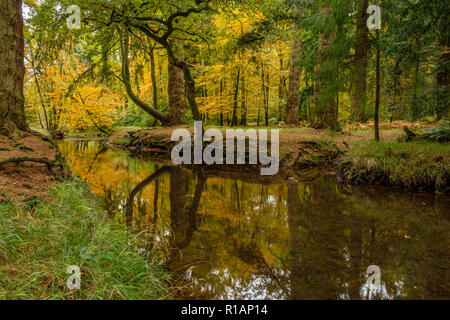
(12, 68)
(325, 109)
(443, 79)
(177, 97)
(295, 72)
(360, 70)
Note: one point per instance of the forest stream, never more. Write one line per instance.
(227, 237)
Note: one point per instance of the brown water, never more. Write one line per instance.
(237, 238)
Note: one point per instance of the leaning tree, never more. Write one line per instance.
(124, 28)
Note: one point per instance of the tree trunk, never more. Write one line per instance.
(264, 93)
(325, 110)
(443, 79)
(12, 68)
(221, 92)
(295, 72)
(243, 103)
(415, 112)
(177, 98)
(267, 88)
(378, 91)
(280, 89)
(360, 65)
(235, 103)
(154, 81)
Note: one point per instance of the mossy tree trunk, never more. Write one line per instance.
(12, 68)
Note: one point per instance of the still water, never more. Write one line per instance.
(228, 236)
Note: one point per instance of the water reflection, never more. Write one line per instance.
(230, 238)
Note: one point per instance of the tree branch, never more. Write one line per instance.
(126, 80)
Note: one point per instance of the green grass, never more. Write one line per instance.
(39, 242)
(413, 164)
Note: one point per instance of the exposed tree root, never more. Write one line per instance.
(50, 164)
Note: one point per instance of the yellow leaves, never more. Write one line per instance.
(32, 4)
(69, 103)
(91, 106)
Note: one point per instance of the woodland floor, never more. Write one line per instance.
(26, 180)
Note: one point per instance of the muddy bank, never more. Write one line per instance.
(305, 149)
(350, 155)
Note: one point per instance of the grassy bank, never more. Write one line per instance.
(40, 239)
(412, 165)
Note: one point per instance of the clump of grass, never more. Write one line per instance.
(37, 246)
(413, 165)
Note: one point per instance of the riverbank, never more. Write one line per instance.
(351, 154)
(413, 165)
(49, 221)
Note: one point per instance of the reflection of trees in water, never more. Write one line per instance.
(183, 217)
(284, 240)
(130, 202)
(342, 234)
(183, 220)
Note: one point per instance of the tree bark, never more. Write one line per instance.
(243, 103)
(235, 103)
(154, 81)
(325, 110)
(443, 79)
(177, 94)
(295, 72)
(378, 91)
(12, 68)
(280, 89)
(360, 65)
(267, 88)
